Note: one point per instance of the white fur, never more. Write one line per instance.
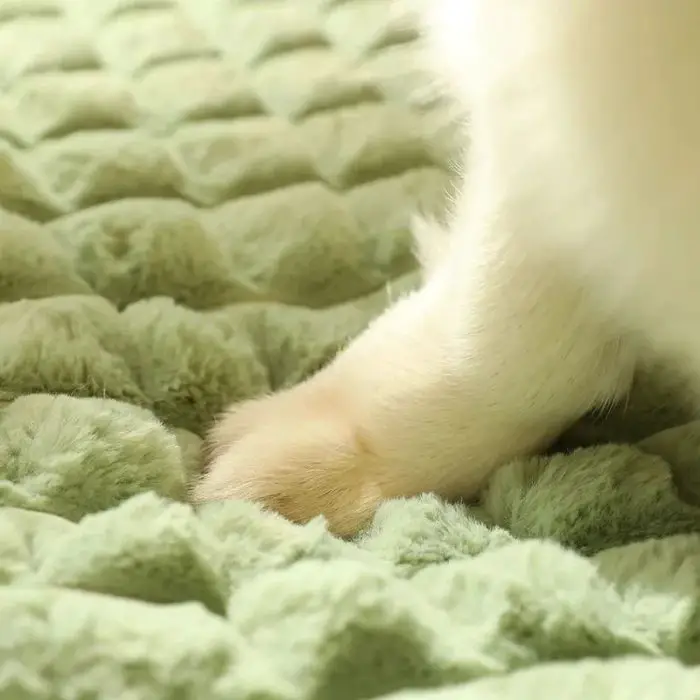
(573, 235)
(587, 116)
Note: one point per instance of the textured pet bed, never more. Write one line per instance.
(202, 200)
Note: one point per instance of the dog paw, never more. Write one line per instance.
(298, 453)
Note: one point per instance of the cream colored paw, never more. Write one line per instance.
(303, 452)
(296, 453)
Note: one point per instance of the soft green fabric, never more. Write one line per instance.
(202, 200)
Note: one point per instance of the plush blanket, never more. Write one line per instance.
(202, 200)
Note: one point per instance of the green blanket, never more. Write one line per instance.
(201, 200)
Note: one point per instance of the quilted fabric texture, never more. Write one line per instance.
(201, 200)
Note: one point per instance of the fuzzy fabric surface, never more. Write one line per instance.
(202, 200)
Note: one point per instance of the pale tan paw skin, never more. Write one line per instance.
(296, 453)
